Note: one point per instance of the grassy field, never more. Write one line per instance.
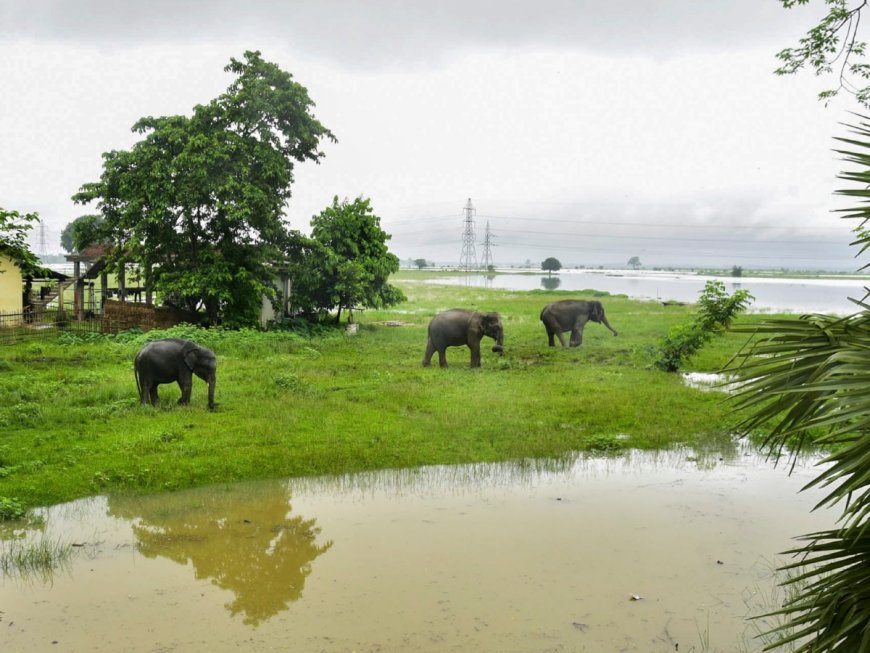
(330, 402)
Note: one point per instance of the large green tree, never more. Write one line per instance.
(13, 238)
(198, 202)
(346, 262)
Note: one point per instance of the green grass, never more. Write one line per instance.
(291, 405)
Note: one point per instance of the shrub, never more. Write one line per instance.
(10, 509)
(716, 311)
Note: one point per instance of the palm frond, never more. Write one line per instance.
(807, 380)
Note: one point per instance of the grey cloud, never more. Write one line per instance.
(379, 32)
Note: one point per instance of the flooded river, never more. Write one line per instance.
(660, 551)
(771, 294)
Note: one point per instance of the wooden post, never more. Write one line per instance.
(149, 295)
(78, 291)
(104, 288)
(122, 292)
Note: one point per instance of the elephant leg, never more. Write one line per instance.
(153, 395)
(185, 383)
(475, 353)
(430, 349)
(442, 357)
(577, 332)
(551, 335)
(561, 338)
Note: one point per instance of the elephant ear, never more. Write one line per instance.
(190, 355)
(475, 323)
(597, 311)
(490, 321)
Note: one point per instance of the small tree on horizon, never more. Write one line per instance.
(634, 262)
(420, 263)
(551, 265)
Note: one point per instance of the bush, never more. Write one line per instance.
(10, 509)
(716, 311)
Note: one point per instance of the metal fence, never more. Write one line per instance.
(29, 324)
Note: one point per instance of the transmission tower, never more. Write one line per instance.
(488, 239)
(41, 247)
(468, 259)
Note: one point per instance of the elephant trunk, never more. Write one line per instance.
(498, 347)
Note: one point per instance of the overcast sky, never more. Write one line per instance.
(586, 130)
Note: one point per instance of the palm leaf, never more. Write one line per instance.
(807, 381)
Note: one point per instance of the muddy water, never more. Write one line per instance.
(543, 556)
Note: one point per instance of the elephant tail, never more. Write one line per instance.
(136, 375)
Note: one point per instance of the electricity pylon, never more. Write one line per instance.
(468, 258)
(488, 238)
(41, 247)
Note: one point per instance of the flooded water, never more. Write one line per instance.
(828, 295)
(659, 551)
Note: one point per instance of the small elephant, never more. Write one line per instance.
(458, 327)
(572, 315)
(170, 360)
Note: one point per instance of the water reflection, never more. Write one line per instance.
(508, 556)
(241, 538)
(551, 283)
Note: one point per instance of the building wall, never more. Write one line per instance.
(10, 286)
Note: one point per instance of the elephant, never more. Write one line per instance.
(572, 315)
(458, 327)
(174, 359)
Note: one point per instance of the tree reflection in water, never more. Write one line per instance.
(241, 537)
(551, 283)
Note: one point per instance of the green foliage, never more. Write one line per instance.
(13, 238)
(832, 47)
(199, 201)
(716, 310)
(551, 265)
(81, 232)
(807, 381)
(10, 509)
(346, 263)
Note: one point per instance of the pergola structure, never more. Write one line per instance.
(93, 258)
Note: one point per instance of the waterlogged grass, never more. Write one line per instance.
(40, 558)
(329, 402)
